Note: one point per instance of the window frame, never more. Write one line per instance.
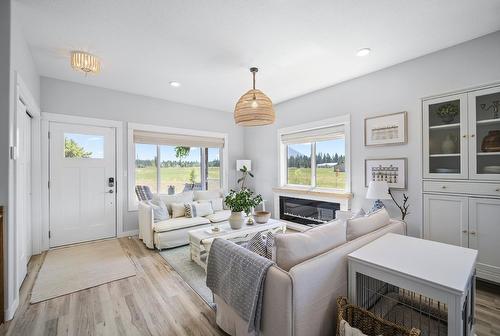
(283, 154)
(131, 127)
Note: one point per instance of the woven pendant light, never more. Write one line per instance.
(254, 108)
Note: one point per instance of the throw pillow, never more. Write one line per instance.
(217, 204)
(357, 227)
(160, 212)
(203, 209)
(270, 253)
(178, 210)
(294, 248)
(190, 210)
(257, 245)
(346, 330)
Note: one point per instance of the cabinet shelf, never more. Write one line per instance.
(446, 126)
(488, 121)
(444, 155)
(488, 153)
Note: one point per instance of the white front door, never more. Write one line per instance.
(23, 191)
(82, 183)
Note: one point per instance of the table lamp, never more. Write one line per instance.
(378, 190)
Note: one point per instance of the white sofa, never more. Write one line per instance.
(173, 232)
(301, 301)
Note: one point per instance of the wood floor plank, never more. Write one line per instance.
(155, 302)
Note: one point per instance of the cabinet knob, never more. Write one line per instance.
(497, 189)
(464, 136)
(443, 187)
(464, 231)
(472, 135)
(473, 232)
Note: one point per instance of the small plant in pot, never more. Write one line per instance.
(241, 202)
(447, 112)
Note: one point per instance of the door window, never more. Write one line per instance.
(83, 146)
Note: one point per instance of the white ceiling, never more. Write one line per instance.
(208, 45)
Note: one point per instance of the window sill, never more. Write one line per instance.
(314, 192)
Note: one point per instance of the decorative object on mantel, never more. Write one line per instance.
(389, 129)
(239, 202)
(393, 171)
(85, 62)
(491, 142)
(449, 145)
(448, 112)
(254, 108)
(378, 190)
(246, 172)
(495, 105)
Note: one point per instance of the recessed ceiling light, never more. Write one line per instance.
(175, 84)
(363, 52)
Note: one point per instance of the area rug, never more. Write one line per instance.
(190, 272)
(71, 269)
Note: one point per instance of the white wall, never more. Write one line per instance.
(89, 101)
(394, 89)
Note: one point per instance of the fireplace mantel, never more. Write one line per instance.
(335, 195)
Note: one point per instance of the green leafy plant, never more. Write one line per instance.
(447, 112)
(243, 200)
(243, 179)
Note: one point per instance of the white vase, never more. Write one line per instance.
(236, 220)
(448, 146)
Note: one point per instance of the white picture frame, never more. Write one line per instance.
(388, 129)
(394, 171)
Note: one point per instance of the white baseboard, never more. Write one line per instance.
(11, 310)
(128, 233)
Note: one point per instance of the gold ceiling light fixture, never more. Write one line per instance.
(85, 62)
(254, 108)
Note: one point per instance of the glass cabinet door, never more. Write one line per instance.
(484, 137)
(445, 137)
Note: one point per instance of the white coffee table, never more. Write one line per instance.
(200, 240)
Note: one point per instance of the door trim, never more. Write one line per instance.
(121, 175)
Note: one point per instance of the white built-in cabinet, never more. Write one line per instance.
(461, 174)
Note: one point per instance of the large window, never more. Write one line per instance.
(316, 157)
(174, 169)
(170, 161)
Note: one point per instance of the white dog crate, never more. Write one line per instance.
(416, 283)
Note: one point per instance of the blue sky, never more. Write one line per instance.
(331, 146)
(148, 152)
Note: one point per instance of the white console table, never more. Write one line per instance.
(443, 273)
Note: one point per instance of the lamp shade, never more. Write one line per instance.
(254, 108)
(378, 190)
(246, 163)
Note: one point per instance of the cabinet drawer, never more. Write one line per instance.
(470, 188)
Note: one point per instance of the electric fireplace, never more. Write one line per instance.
(307, 211)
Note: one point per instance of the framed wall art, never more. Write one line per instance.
(391, 170)
(389, 129)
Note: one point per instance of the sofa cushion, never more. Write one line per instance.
(207, 194)
(178, 210)
(179, 223)
(183, 197)
(219, 216)
(294, 248)
(359, 226)
(160, 211)
(217, 203)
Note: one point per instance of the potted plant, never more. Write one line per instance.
(241, 202)
(447, 112)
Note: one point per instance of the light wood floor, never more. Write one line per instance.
(155, 302)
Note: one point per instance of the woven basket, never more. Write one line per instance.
(369, 323)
